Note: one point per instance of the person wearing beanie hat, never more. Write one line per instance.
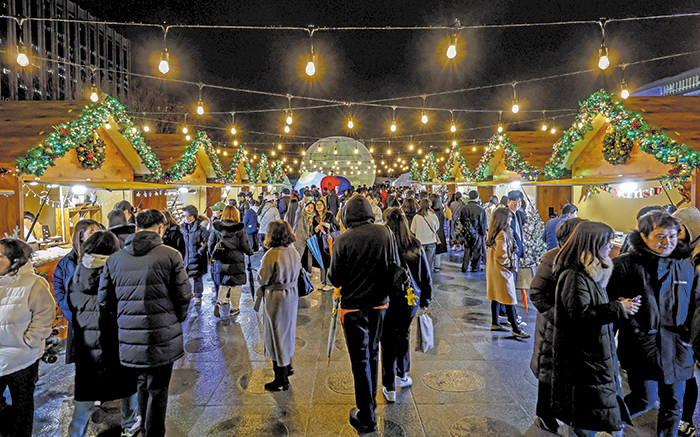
(361, 266)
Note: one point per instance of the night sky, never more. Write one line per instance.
(368, 65)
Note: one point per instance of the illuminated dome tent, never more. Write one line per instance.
(340, 156)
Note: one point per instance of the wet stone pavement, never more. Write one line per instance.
(473, 383)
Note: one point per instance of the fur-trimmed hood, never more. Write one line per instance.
(640, 248)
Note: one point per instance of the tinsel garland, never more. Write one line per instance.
(91, 152)
(512, 159)
(683, 158)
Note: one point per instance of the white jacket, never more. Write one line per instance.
(425, 228)
(27, 314)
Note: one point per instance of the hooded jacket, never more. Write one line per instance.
(196, 237)
(362, 258)
(173, 238)
(99, 374)
(656, 343)
(27, 312)
(542, 294)
(145, 289)
(417, 263)
(61, 278)
(234, 242)
(122, 232)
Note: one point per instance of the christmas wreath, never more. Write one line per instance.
(616, 146)
(91, 152)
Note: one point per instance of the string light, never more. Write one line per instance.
(335, 151)
(146, 128)
(164, 65)
(22, 58)
(624, 93)
(603, 61)
(108, 126)
(187, 137)
(516, 107)
(185, 130)
(356, 150)
(424, 117)
(452, 49)
(93, 94)
(286, 129)
(350, 123)
(233, 124)
(544, 122)
(311, 59)
(393, 119)
(200, 107)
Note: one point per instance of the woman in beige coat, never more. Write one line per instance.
(278, 275)
(500, 270)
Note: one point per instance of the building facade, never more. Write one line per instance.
(684, 84)
(65, 58)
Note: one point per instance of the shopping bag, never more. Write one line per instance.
(425, 340)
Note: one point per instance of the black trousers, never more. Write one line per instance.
(543, 409)
(363, 329)
(396, 343)
(473, 254)
(22, 384)
(153, 398)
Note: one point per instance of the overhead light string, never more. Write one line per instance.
(603, 60)
(516, 107)
(164, 65)
(624, 92)
(311, 60)
(200, 103)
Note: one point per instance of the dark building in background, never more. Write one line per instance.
(61, 54)
(684, 84)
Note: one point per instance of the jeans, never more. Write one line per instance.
(22, 384)
(510, 312)
(153, 398)
(234, 294)
(197, 285)
(396, 343)
(363, 329)
(430, 254)
(643, 395)
(436, 260)
(82, 411)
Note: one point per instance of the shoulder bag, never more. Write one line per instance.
(304, 285)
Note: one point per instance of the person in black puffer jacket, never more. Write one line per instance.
(196, 260)
(145, 292)
(228, 244)
(396, 359)
(542, 294)
(172, 237)
(119, 226)
(99, 376)
(655, 346)
(361, 266)
(586, 389)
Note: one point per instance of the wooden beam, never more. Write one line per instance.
(552, 196)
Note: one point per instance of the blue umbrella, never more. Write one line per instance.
(312, 243)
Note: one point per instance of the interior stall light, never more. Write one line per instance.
(183, 190)
(79, 190)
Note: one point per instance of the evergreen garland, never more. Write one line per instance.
(616, 146)
(91, 152)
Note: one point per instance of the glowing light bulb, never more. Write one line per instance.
(146, 128)
(108, 126)
(200, 107)
(133, 130)
(187, 137)
(286, 129)
(22, 58)
(544, 127)
(451, 51)
(604, 61)
(310, 68)
(272, 153)
(233, 131)
(420, 151)
(225, 153)
(553, 131)
(93, 94)
(303, 153)
(235, 142)
(335, 151)
(350, 124)
(424, 118)
(625, 93)
(164, 66)
(473, 149)
(218, 150)
(185, 130)
(515, 107)
(388, 152)
(410, 147)
(393, 126)
(371, 150)
(453, 128)
(289, 119)
(500, 128)
(356, 151)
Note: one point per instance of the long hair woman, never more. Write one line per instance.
(586, 390)
(323, 224)
(172, 237)
(441, 247)
(278, 275)
(410, 208)
(395, 342)
(27, 311)
(501, 266)
(425, 227)
(99, 376)
(64, 272)
(228, 244)
(303, 230)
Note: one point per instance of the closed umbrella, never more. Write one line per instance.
(312, 244)
(334, 324)
(251, 279)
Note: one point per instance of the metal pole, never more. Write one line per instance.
(666, 192)
(562, 193)
(36, 218)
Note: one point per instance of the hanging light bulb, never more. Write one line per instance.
(624, 93)
(164, 65)
(218, 150)
(410, 146)
(93, 94)
(453, 128)
(311, 64)
(424, 117)
(420, 151)
(350, 123)
(371, 150)
(225, 153)
(393, 125)
(335, 151)
(452, 49)
(388, 152)
(544, 126)
(356, 150)
(500, 128)
(187, 137)
(553, 130)
(200, 107)
(303, 153)
(603, 61)
(515, 107)
(146, 128)
(233, 131)
(22, 58)
(184, 129)
(286, 129)
(235, 143)
(279, 146)
(289, 119)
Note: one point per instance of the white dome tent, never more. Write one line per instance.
(340, 156)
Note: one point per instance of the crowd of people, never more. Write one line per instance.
(125, 290)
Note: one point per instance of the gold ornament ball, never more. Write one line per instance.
(81, 158)
(47, 150)
(81, 149)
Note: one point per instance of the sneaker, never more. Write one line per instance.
(390, 395)
(520, 321)
(234, 312)
(498, 328)
(198, 301)
(686, 429)
(217, 310)
(406, 381)
(521, 334)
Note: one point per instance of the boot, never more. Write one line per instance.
(280, 383)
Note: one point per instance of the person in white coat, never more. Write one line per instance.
(27, 313)
(425, 226)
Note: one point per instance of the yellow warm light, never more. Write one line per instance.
(164, 66)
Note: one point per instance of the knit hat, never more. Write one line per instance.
(690, 218)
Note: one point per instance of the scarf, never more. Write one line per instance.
(599, 273)
(94, 261)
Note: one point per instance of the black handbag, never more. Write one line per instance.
(304, 285)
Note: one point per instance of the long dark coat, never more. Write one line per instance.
(61, 279)
(196, 237)
(542, 294)
(586, 391)
(99, 376)
(325, 254)
(442, 246)
(656, 343)
(233, 237)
